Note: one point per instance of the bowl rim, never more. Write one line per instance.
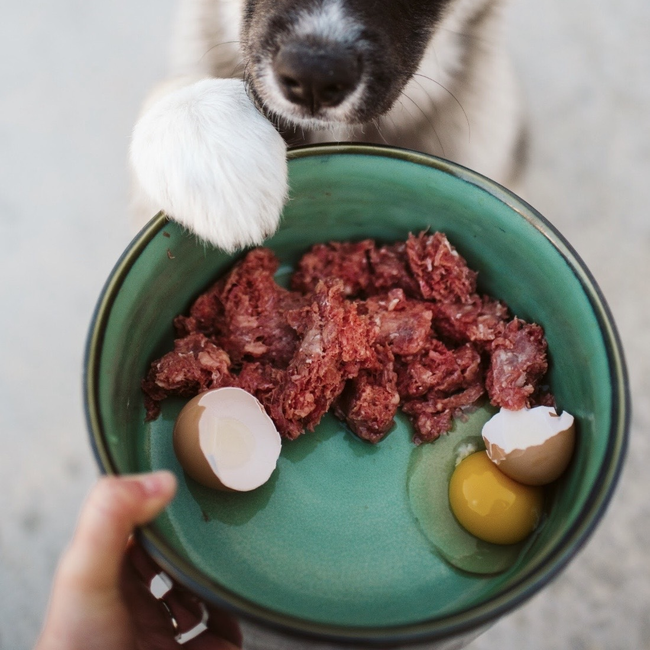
(466, 620)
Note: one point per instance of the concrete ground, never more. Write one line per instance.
(72, 75)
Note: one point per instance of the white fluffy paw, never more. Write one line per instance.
(212, 162)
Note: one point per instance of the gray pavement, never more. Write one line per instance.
(72, 76)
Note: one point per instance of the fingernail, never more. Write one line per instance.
(158, 483)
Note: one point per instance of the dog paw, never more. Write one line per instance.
(212, 162)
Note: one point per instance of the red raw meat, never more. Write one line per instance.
(517, 364)
(194, 366)
(334, 345)
(365, 330)
(369, 401)
(344, 261)
(403, 324)
(440, 271)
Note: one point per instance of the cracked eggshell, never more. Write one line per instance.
(224, 439)
(532, 446)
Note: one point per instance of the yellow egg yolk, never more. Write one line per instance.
(490, 505)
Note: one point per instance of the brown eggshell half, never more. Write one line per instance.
(188, 449)
(538, 464)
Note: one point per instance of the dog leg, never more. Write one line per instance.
(142, 205)
(204, 154)
(205, 45)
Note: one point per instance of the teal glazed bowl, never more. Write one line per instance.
(328, 554)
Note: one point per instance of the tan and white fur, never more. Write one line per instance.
(455, 97)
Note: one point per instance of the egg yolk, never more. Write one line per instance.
(490, 505)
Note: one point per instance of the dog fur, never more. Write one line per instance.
(435, 77)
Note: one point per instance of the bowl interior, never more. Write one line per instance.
(330, 540)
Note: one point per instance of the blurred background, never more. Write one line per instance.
(72, 76)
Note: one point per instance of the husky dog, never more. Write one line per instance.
(429, 75)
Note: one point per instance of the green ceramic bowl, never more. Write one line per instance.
(329, 549)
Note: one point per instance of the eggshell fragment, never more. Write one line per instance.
(224, 439)
(532, 446)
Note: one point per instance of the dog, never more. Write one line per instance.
(428, 75)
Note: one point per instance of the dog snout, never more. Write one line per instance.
(314, 76)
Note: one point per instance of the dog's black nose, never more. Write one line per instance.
(315, 76)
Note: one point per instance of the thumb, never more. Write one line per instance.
(115, 506)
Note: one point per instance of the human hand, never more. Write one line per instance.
(99, 600)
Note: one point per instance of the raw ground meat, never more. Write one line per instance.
(480, 319)
(439, 368)
(194, 366)
(369, 401)
(403, 324)
(433, 415)
(438, 383)
(244, 312)
(441, 273)
(365, 329)
(517, 364)
(346, 261)
(335, 345)
(390, 270)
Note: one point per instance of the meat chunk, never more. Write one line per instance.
(343, 261)
(437, 383)
(478, 319)
(369, 401)
(517, 364)
(402, 324)
(390, 270)
(207, 313)
(441, 273)
(258, 378)
(438, 368)
(194, 366)
(334, 345)
(363, 267)
(245, 312)
(433, 415)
